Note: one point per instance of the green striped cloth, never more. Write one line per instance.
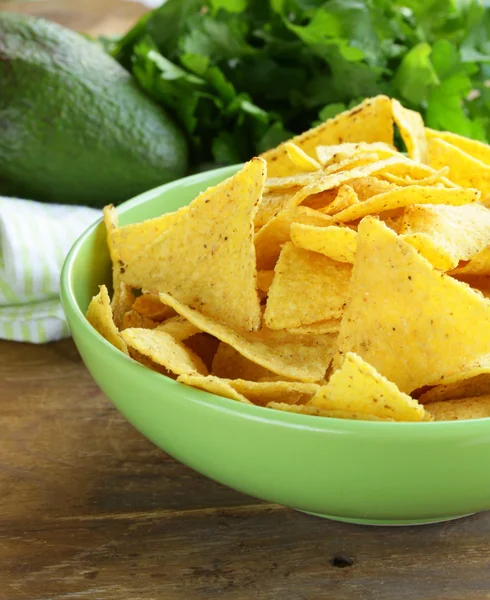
(34, 240)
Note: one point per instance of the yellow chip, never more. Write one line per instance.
(305, 409)
(269, 240)
(458, 410)
(479, 385)
(264, 280)
(321, 200)
(122, 301)
(99, 315)
(411, 126)
(300, 159)
(213, 385)
(345, 197)
(338, 243)
(307, 287)
(149, 305)
(463, 168)
(164, 350)
(201, 255)
(320, 328)
(479, 264)
(413, 323)
(358, 387)
(131, 319)
(367, 187)
(437, 177)
(475, 149)
(339, 152)
(131, 240)
(149, 364)
(444, 235)
(263, 392)
(228, 363)
(371, 121)
(272, 203)
(179, 328)
(304, 358)
(406, 196)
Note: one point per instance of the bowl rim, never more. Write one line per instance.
(251, 411)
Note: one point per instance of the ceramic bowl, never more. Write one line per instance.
(358, 471)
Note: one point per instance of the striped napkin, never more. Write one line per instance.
(34, 240)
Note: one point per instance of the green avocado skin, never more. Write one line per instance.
(74, 127)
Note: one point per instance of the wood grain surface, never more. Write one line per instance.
(89, 509)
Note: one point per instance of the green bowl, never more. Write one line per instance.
(359, 471)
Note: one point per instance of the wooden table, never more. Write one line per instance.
(89, 509)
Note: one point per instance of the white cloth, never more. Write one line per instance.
(34, 241)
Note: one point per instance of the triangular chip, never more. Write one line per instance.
(446, 234)
(300, 159)
(319, 328)
(433, 179)
(307, 287)
(358, 387)
(463, 168)
(164, 350)
(478, 385)
(213, 385)
(99, 315)
(336, 153)
(263, 392)
(149, 305)
(413, 323)
(371, 121)
(475, 149)
(411, 126)
(269, 240)
(304, 358)
(179, 328)
(338, 243)
(402, 197)
(345, 197)
(202, 255)
(479, 264)
(314, 411)
(366, 187)
(461, 410)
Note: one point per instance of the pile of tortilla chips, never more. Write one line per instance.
(334, 276)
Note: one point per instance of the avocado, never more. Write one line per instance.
(74, 126)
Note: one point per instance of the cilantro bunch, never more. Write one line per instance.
(243, 75)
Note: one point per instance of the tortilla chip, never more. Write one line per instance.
(149, 305)
(149, 364)
(367, 187)
(99, 315)
(131, 319)
(269, 240)
(272, 203)
(459, 410)
(215, 236)
(338, 152)
(122, 301)
(406, 196)
(264, 280)
(411, 126)
(307, 287)
(320, 328)
(205, 346)
(358, 387)
(445, 235)
(321, 182)
(479, 264)
(477, 150)
(213, 385)
(322, 200)
(111, 222)
(131, 240)
(395, 296)
(345, 197)
(228, 363)
(438, 177)
(164, 350)
(463, 168)
(338, 243)
(306, 409)
(304, 358)
(263, 392)
(472, 380)
(371, 121)
(300, 159)
(179, 328)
